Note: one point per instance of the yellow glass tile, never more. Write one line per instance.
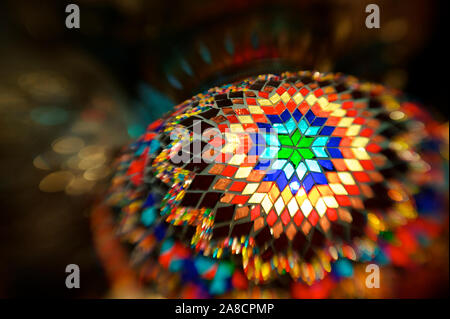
(361, 153)
(311, 99)
(229, 147)
(330, 201)
(323, 102)
(301, 196)
(237, 159)
(236, 128)
(266, 204)
(325, 190)
(245, 119)
(293, 207)
(255, 109)
(231, 138)
(297, 98)
(250, 188)
(286, 194)
(321, 208)
(353, 165)
(360, 141)
(331, 107)
(285, 97)
(306, 207)
(279, 206)
(338, 112)
(345, 122)
(264, 102)
(256, 198)
(243, 172)
(275, 98)
(314, 195)
(353, 130)
(346, 178)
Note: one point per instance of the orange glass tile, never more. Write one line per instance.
(216, 169)
(291, 230)
(255, 176)
(277, 229)
(241, 212)
(264, 187)
(222, 184)
(306, 227)
(274, 193)
(227, 198)
(258, 223)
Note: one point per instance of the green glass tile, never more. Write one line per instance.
(305, 141)
(285, 152)
(285, 140)
(306, 153)
(295, 158)
(296, 137)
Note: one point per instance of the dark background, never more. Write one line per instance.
(43, 232)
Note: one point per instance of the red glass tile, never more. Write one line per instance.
(352, 189)
(281, 90)
(313, 217)
(332, 214)
(347, 104)
(298, 218)
(367, 165)
(304, 91)
(271, 218)
(263, 94)
(259, 118)
(343, 200)
(373, 148)
(255, 212)
(304, 107)
(318, 92)
(361, 177)
(238, 186)
(251, 101)
(240, 199)
(291, 105)
(279, 108)
(229, 171)
(232, 119)
(285, 217)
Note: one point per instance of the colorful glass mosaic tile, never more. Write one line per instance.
(269, 177)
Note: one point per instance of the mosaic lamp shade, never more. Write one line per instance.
(277, 180)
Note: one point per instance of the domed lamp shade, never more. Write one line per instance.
(277, 181)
